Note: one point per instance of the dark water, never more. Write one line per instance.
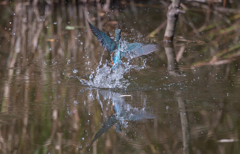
(59, 95)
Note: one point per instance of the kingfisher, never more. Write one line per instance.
(115, 47)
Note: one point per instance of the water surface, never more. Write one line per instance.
(58, 93)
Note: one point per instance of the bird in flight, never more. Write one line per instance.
(115, 47)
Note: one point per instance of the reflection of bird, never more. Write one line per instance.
(132, 50)
(128, 113)
(120, 114)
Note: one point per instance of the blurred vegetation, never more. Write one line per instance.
(43, 110)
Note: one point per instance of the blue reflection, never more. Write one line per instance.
(121, 112)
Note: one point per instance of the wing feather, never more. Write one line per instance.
(109, 44)
(138, 49)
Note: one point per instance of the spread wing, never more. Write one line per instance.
(109, 44)
(136, 115)
(138, 49)
(106, 125)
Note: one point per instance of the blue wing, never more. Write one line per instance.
(138, 49)
(136, 115)
(106, 125)
(130, 114)
(109, 44)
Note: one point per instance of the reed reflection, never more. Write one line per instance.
(173, 71)
(42, 111)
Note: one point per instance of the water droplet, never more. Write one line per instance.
(75, 71)
(75, 102)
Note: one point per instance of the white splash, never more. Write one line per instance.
(106, 77)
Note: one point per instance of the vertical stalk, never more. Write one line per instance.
(187, 148)
(172, 17)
